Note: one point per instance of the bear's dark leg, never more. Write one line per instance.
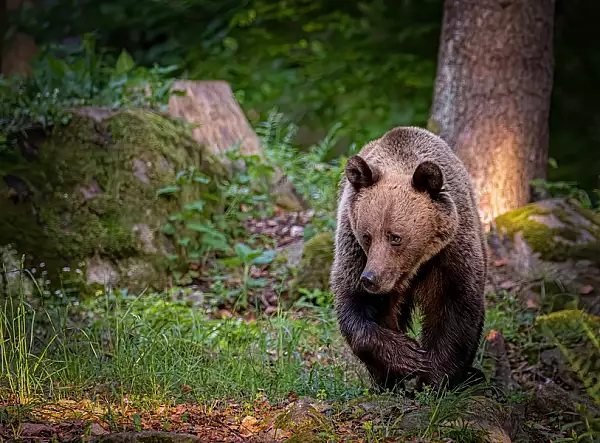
(452, 328)
(405, 307)
(390, 355)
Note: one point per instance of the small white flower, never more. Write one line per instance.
(66, 269)
(42, 264)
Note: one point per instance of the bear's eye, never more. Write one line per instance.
(395, 240)
(366, 238)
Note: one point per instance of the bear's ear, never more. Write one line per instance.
(428, 178)
(360, 174)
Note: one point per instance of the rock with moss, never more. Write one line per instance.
(554, 239)
(315, 264)
(303, 420)
(85, 195)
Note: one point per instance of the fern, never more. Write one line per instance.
(313, 176)
(570, 329)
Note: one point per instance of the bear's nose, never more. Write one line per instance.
(368, 281)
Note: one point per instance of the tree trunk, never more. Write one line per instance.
(492, 95)
(17, 51)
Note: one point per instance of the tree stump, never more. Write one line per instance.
(221, 122)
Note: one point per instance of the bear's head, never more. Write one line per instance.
(400, 221)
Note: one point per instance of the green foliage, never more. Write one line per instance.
(566, 189)
(314, 177)
(66, 77)
(210, 226)
(577, 335)
(369, 65)
(20, 366)
(245, 257)
(507, 315)
(213, 225)
(159, 349)
(194, 233)
(152, 31)
(316, 297)
(320, 62)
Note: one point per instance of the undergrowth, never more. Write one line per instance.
(145, 350)
(67, 77)
(153, 347)
(577, 335)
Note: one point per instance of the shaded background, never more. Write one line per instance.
(368, 65)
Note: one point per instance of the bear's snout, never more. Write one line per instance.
(369, 281)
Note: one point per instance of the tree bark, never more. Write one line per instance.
(17, 51)
(492, 95)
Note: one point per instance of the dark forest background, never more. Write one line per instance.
(367, 65)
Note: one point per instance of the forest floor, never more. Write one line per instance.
(186, 362)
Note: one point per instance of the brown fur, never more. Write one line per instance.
(408, 223)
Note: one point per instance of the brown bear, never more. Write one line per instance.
(408, 233)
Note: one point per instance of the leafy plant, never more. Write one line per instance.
(193, 231)
(577, 335)
(314, 177)
(246, 257)
(68, 77)
(212, 210)
(566, 189)
(317, 297)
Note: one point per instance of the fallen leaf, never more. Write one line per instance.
(586, 290)
(492, 335)
(248, 426)
(500, 262)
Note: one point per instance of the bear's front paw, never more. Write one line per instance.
(410, 357)
(401, 355)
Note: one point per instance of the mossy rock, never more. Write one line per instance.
(556, 230)
(555, 239)
(315, 265)
(85, 195)
(301, 421)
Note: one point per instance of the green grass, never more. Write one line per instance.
(148, 349)
(154, 348)
(151, 347)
